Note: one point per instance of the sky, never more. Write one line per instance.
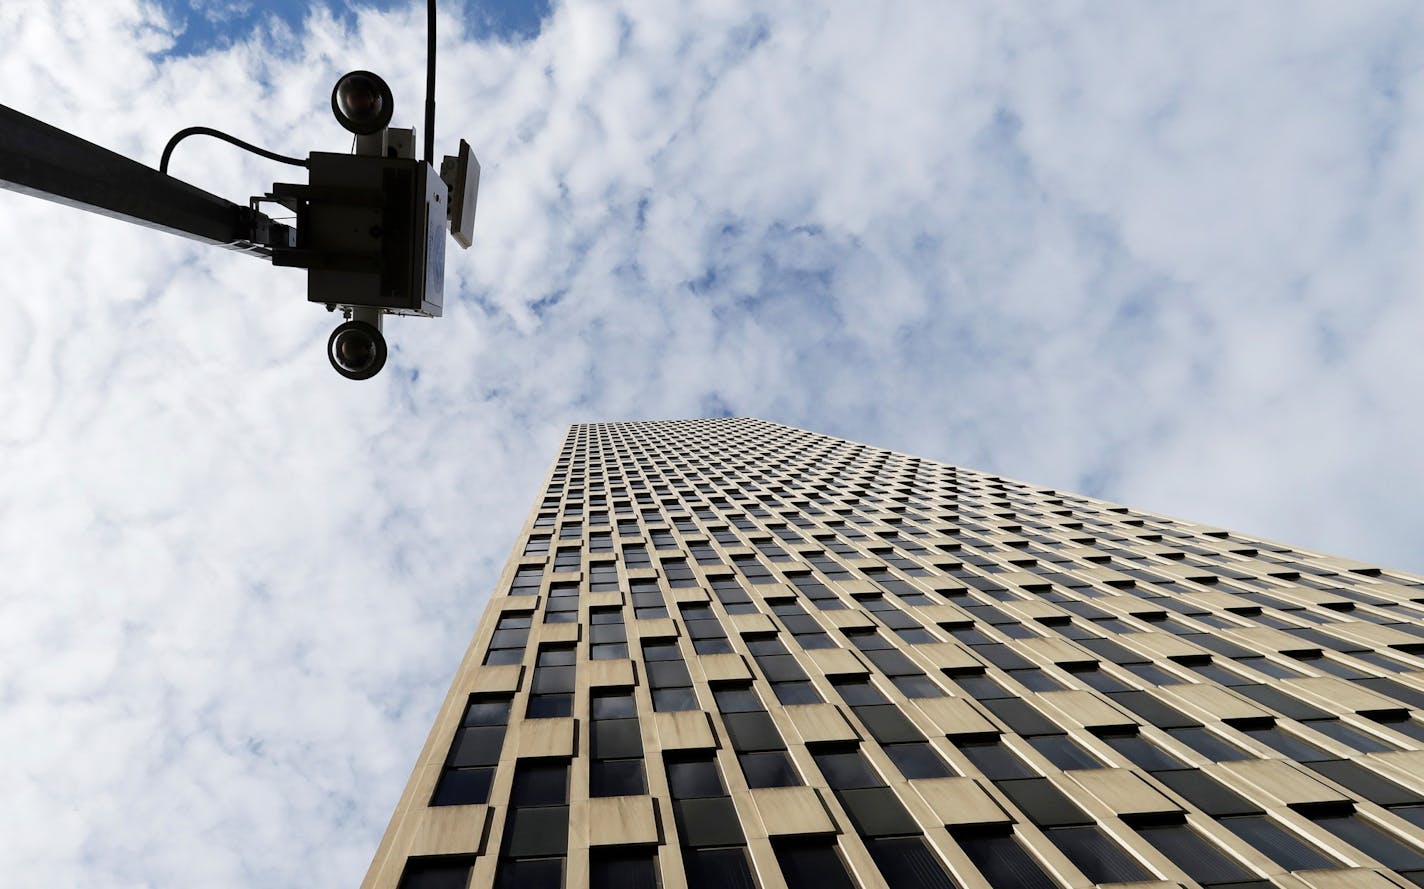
(1164, 254)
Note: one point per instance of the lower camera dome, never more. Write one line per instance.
(357, 350)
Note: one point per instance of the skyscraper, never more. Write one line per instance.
(729, 653)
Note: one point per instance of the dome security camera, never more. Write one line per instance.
(357, 350)
(362, 103)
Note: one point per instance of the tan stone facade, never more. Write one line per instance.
(736, 654)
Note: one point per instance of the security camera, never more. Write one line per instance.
(371, 225)
(357, 349)
(362, 103)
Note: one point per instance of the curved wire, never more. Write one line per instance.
(218, 134)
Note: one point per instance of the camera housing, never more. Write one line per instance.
(357, 349)
(374, 227)
(362, 103)
(371, 225)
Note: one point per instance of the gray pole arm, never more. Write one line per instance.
(46, 162)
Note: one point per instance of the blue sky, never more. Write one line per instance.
(1164, 254)
(201, 26)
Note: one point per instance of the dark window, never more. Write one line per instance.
(678, 573)
(1194, 854)
(509, 638)
(917, 760)
(616, 739)
(1147, 706)
(1281, 741)
(668, 699)
(503, 656)
(1413, 814)
(1101, 680)
(1219, 674)
(1206, 793)
(1281, 702)
(717, 869)
(780, 668)
(1350, 736)
(812, 864)
(476, 746)
(1004, 863)
(622, 869)
(549, 706)
(1268, 666)
(463, 787)
(603, 577)
(712, 646)
(536, 832)
(613, 705)
(1368, 784)
(1023, 718)
(771, 769)
(1209, 744)
(1267, 836)
(1002, 656)
(887, 724)
(616, 777)
(694, 778)
(1036, 680)
(633, 556)
(877, 812)
(995, 760)
(1371, 839)
(540, 783)
(906, 863)
(765, 645)
(1044, 804)
(553, 680)
(983, 688)
(1381, 660)
(737, 699)
(667, 674)
(607, 624)
(537, 873)
(440, 873)
(859, 692)
(845, 770)
(1142, 752)
(1064, 752)
(486, 711)
(526, 581)
(556, 656)
(661, 651)
(1406, 726)
(1096, 854)
(796, 692)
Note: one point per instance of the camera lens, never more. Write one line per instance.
(354, 351)
(357, 350)
(362, 102)
(359, 98)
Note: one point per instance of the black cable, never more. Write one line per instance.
(430, 82)
(218, 134)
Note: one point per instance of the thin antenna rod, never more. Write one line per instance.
(430, 82)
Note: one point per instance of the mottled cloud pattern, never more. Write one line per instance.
(1166, 255)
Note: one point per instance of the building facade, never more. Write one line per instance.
(729, 653)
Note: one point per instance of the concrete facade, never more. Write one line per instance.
(736, 654)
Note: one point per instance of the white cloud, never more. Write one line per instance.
(1170, 254)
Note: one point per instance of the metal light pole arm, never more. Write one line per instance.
(44, 161)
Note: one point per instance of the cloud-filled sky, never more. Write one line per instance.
(1165, 254)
